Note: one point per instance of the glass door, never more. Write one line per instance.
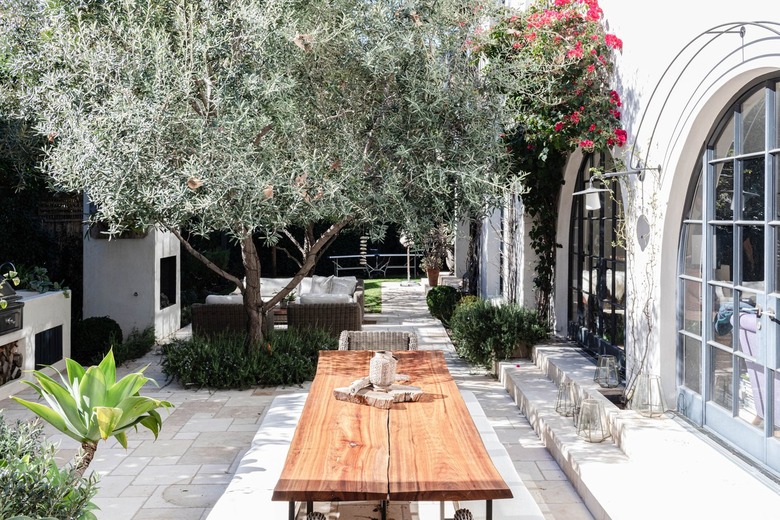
(730, 279)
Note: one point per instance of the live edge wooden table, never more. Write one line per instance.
(428, 450)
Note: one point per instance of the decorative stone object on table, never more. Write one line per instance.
(380, 388)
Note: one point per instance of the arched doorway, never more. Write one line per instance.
(729, 280)
(597, 267)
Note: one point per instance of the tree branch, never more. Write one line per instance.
(208, 263)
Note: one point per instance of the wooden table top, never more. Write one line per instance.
(425, 450)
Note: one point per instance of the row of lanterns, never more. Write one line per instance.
(589, 415)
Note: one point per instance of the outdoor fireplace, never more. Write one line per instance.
(10, 363)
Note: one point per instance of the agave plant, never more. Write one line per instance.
(90, 405)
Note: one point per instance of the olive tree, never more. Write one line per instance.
(253, 117)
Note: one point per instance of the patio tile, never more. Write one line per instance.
(117, 508)
(131, 465)
(162, 448)
(170, 514)
(114, 485)
(166, 475)
(208, 424)
(210, 455)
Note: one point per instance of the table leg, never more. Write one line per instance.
(310, 507)
(383, 509)
(488, 510)
(291, 510)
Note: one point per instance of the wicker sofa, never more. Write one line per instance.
(331, 311)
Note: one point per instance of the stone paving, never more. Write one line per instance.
(182, 474)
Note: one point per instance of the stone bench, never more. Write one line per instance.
(521, 507)
(248, 496)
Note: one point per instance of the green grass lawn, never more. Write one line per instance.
(372, 297)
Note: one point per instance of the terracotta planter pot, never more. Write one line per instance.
(433, 277)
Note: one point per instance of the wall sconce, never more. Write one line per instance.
(592, 199)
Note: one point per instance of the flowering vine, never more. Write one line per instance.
(554, 61)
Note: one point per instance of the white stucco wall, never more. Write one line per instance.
(122, 281)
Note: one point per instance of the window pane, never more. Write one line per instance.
(720, 379)
(724, 146)
(750, 401)
(692, 306)
(692, 363)
(724, 191)
(752, 257)
(696, 204)
(753, 122)
(776, 404)
(724, 253)
(693, 252)
(722, 308)
(777, 116)
(753, 189)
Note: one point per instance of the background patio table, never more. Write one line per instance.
(428, 450)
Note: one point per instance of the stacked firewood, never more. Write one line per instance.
(10, 363)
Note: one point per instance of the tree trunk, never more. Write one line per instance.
(510, 253)
(253, 303)
(85, 458)
(472, 269)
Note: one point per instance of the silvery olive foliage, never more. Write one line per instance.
(254, 116)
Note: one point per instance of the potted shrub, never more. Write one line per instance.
(435, 245)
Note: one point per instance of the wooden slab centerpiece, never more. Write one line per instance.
(380, 388)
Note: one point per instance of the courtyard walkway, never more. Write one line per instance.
(183, 473)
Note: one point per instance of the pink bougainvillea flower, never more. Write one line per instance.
(516, 45)
(562, 3)
(614, 42)
(576, 52)
(559, 126)
(587, 144)
(621, 136)
(591, 68)
(592, 128)
(575, 117)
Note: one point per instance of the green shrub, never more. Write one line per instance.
(93, 338)
(221, 361)
(135, 346)
(472, 325)
(442, 300)
(516, 329)
(484, 333)
(31, 484)
(469, 298)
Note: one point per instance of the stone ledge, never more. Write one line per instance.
(659, 468)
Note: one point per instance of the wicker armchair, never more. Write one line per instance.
(215, 318)
(377, 340)
(332, 317)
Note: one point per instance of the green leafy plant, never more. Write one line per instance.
(442, 300)
(288, 357)
(90, 405)
(31, 483)
(10, 277)
(37, 279)
(93, 337)
(135, 346)
(484, 332)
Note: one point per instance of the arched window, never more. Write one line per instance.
(729, 284)
(597, 267)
